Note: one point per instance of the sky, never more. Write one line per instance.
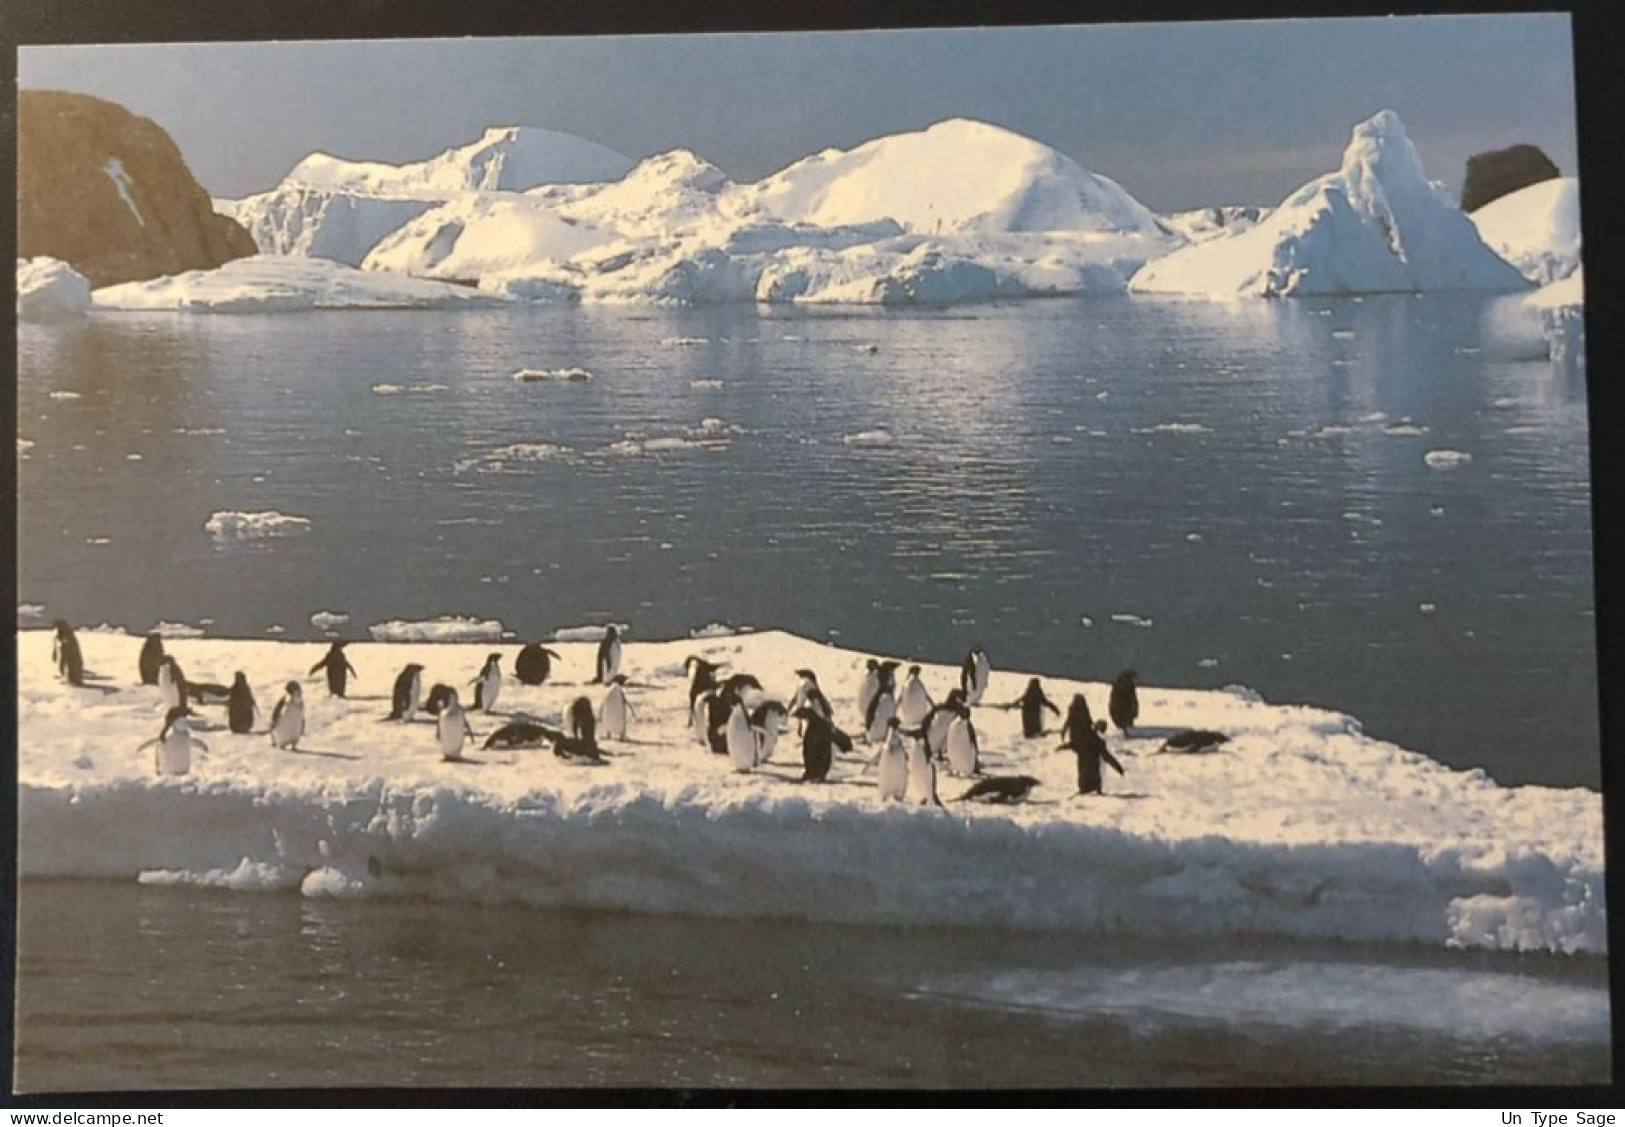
(1182, 115)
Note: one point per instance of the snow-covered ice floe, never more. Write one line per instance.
(271, 284)
(1299, 826)
(50, 290)
(231, 524)
(552, 375)
(446, 628)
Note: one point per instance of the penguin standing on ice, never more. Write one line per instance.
(702, 676)
(288, 718)
(171, 682)
(818, 744)
(699, 715)
(452, 728)
(869, 689)
(609, 656)
(339, 669)
(1086, 743)
(1124, 705)
(974, 674)
(1078, 719)
(1032, 703)
(878, 717)
(964, 754)
(70, 663)
(766, 720)
(615, 713)
(488, 683)
(581, 721)
(404, 697)
(894, 762)
(939, 719)
(719, 708)
(172, 750)
(240, 706)
(534, 664)
(922, 774)
(152, 656)
(740, 738)
(915, 702)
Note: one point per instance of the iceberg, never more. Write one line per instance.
(1377, 225)
(323, 222)
(1537, 229)
(1300, 826)
(272, 284)
(50, 290)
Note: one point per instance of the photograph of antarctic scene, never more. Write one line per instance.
(1033, 556)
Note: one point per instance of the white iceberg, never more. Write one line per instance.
(48, 289)
(233, 524)
(273, 284)
(1377, 225)
(1537, 229)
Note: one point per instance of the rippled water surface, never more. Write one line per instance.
(1211, 493)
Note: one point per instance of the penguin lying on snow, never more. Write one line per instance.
(1194, 741)
(1001, 789)
(521, 733)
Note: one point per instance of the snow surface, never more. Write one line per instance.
(272, 284)
(1300, 826)
(1537, 229)
(505, 158)
(1377, 225)
(48, 289)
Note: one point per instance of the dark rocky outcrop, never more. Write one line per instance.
(109, 193)
(1501, 172)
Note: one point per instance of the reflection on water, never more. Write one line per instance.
(1249, 477)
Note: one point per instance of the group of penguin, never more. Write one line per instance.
(730, 715)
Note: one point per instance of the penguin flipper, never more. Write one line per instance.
(1112, 759)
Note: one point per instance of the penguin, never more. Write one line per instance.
(740, 738)
(894, 763)
(582, 724)
(522, 733)
(403, 698)
(718, 709)
(577, 749)
(1078, 720)
(437, 698)
(339, 669)
(609, 656)
(1086, 743)
(964, 756)
(914, 702)
(1032, 703)
(699, 713)
(1124, 705)
(766, 720)
(70, 663)
(452, 728)
(172, 750)
(809, 695)
(922, 774)
(938, 719)
(818, 744)
(171, 682)
(240, 706)
(1194, 741)
(488, 684)
(869, 689)
(877, 719)
(534, 664)
(152, 656)
(744, 688)
(288, 718)
(615, 712)
(887, 671)
(207, 692)
(702, 676)
(974, 674)
(1000, 789)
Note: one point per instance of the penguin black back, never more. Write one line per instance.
(152, 656)
(338, 667)
(534, 664)
(583, 723)
(1124, 705)
(438, 698)
(70, 663)
(1090, 748)
(1033, 702)
(240, 706)
(702, 676)
(1078, 721)
(818, 744)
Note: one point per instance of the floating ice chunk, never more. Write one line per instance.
(1131, 620)
(248, 876)
(1446, 459)
(552, 375)
(1175, 428)
(230, 524)
(31, 612)
(24, 445)
(518, 453)
(705, 385)
(50, 290)
(684, 342)
(445, 628)
(1404, 430)
(66, 395)
(879, 436)
(328, 619)
(408, 388)
(717, 630)
(177, 630)
(587, 633)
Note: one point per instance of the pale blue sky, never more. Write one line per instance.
(1181, 114)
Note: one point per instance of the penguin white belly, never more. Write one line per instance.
(893, 769)
(922, 775)
(697, 720)
(175, 752)
(610, 664)
(978, 681)
(490, 689)
(936, 733)
(867, 692)
(884, 709)
(452, 731)
(613, 716)
(915, 704)
(741, 741)
(767, 737)
(414, 697)
(961, 747)
(169, 688)
(289, 726)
